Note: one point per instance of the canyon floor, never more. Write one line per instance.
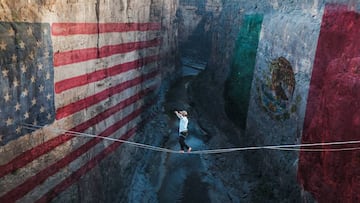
(174, 177)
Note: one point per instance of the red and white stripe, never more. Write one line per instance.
(102, 73)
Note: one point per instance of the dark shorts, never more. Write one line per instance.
(184, 133)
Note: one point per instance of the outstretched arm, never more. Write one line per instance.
(178, 114)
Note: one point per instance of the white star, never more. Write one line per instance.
(35, 122)
(40, 66)
(11, 32)
(22, 44)
(46, 54)
(5, 72)
(23, 68)
(7, 97)
(49, 116)
(41, 88)
(47, 76)
(48, 97)
(29, 31)
(14, 58)
(33, 79)
(18, 130)
(46, 31)
(9, 121)
(32, 55)
(16, 83)
(17, 107)
(33, 101)
(26, 115)
(42, 109)
(25, 92)
(3, 45)
(38, 43)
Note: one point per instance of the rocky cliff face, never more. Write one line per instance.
(276, 72)
(92, 67)
(332, 110)
(264, 63)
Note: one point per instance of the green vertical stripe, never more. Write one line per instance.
(238, 84)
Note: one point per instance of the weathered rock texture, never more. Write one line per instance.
(118, 55)
(278, 98)
(332, 112)
(238, 85)
(278, 72)
(274, 119)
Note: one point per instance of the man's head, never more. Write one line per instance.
(184, 113)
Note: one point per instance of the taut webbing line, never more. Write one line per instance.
(289, 147)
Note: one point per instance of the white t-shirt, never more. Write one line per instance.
(183, 123)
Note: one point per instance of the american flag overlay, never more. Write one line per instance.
(26, 78)
(94, 78)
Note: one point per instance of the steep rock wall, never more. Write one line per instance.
(93, 67)
(285, 54)
(48, 164)
(332, 110)
(289, 50)
(194, 19)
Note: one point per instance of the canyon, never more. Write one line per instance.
(89, 89)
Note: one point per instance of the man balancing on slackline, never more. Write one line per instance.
(183, 130)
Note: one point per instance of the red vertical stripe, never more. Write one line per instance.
(332, 112)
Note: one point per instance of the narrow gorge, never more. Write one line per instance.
(89, 89)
